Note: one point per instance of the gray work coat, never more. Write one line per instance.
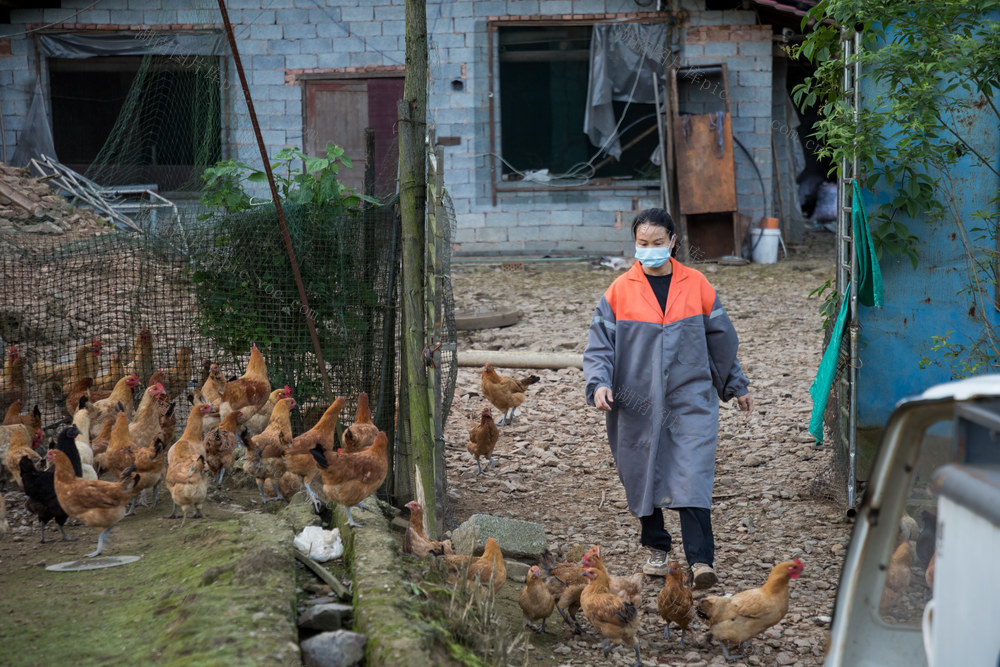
(667, 372)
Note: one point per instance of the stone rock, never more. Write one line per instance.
(325, 616)
(334, 649)
(42, 228)
(517, 538)
(516, 570)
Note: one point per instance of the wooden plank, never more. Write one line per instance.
(337, 113)
(706, 181)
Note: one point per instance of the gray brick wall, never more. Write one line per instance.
(277, 36)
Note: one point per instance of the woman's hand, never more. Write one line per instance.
(745, 402)
(603, 399)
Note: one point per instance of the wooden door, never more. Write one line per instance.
(339, 111)
(706, 180)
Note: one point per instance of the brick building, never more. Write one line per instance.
(508, 83)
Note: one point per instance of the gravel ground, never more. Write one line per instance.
(553, 464)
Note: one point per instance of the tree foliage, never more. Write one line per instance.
(927, 67)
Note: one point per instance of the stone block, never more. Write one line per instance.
(720, 49)
(299, 30)
(334, 648)
(517, 538)
(751, 78)
(516, 570)
(755, 48)
(287, 17)
(326, 617)
(360, 14)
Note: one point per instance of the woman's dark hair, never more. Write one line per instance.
(654, 216)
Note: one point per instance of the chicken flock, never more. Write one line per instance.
(114, 453)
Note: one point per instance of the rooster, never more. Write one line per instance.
(350, 478)
(505, 393)
(250, 390)
(362, 432)
(748, 613)
(483, 436)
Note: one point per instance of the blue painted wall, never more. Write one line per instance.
(931, 299)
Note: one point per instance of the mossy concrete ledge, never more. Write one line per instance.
(384, 605)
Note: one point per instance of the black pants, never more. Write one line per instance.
(696, 534)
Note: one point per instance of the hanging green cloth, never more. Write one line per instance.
(820, 389)
(870, 292)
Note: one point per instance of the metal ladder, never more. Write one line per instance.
(847, 275)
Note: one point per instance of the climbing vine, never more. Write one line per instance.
(929, 67)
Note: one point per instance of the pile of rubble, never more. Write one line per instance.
(29, 206)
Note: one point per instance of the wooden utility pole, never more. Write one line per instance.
(412, 203)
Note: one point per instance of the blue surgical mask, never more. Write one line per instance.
(653, 257)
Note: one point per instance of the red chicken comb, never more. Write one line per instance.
(799, 563)
(288, 390)
(339, 450)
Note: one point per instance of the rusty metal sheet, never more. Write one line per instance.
(706, 180)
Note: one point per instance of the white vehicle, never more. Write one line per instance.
(935, 488)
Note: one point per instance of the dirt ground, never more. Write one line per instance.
(553, 464)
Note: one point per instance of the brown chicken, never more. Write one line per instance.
(266, 450)
(145, 426)
(187, 481)
(20, 446)
(299, 459)
(737, 618)
(213, 386)
(80, 389)
(141, 358)
(12, 384)
(286, 486)
(168, 422)
(506, 394)
(123, 453)
(4, 526)
(416, 542)
(627, 588)
(220, 445)
(350, 478)
(615, 618)
(929, 572)
(30, 420)
(95, 503)
(675, 602)
(488, 570)
(176, 378)
(483, 436)
(108, 380)
(99, 445)
(102, 410)
(566, 582)
(257, 419)
(536, 600)
(58, 379)
(192, 440)
(897, 576)
(361, 434)
(250, 390)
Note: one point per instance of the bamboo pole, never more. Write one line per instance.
(507, 359)
(412, 201)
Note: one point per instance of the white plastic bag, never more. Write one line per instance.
(319, 544)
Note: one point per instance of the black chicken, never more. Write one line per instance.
(40, 487)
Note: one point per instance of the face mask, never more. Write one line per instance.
(653, 257)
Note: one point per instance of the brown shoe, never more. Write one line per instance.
(703, 576)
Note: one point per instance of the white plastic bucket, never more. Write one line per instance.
(765, 245)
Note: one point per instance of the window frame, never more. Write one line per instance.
(493, 26)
